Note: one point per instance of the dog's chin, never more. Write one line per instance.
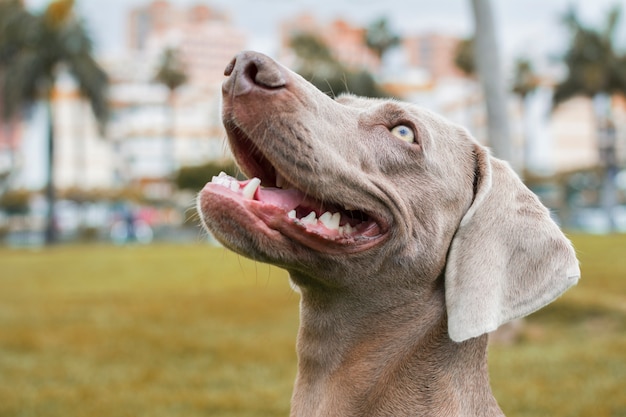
(243, 214)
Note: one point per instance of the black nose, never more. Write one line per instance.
(252, 70)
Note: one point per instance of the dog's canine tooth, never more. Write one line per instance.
(292, 214)
(309, 218)
(250, 188)
(280, 181)
(331, 221)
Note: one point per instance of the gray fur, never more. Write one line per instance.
(398, 328)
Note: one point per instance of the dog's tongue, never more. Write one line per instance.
(285, 199)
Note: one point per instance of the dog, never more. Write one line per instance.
(406, 239)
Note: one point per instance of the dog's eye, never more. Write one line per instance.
(403, 132)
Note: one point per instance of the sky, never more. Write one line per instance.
(529, 28)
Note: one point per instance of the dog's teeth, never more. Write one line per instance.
(309, 218)
(292, 214)
(224, 180)
(279, 180)
(234, 186)
(250, 188)
(346, 229)
(331, 221)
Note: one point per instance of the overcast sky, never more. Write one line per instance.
(526, 27)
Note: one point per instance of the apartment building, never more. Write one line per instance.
(433, 52)
(345, 41)
(204, 36)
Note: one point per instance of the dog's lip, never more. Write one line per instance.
(254, 162)
(269, 216)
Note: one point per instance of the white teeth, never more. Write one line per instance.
(331, 221)
(279, 180)
(328, 219)
(251, 187)
(309, 219)
(226, 181)
(221, 179)
(232, 184)
(346, 229)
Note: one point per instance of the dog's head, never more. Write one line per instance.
(364, 195)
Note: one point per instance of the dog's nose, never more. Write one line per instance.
(252, 70)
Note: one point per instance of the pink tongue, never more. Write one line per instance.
(285, 199)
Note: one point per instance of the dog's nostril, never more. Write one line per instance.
(251, 71)
(230, 67)
(264, 72)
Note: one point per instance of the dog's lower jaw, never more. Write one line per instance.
(406, 365)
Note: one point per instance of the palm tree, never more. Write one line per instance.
(317, 64)
(464, 57)
(596, 70)
(314, 57)
(12, 25)
(593, 63)
(380, 38)
(487, 62)
(525, 81)
(42, 45)
(172, 74)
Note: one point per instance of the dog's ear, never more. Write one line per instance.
(507, 258)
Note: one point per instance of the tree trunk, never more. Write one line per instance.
(169, 146)
(51, 229)
(607, 141)
(9, 128)
(487, 61)
(526, 126)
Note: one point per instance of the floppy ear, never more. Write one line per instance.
(507, 258)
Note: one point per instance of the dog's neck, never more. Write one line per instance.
(362, 359)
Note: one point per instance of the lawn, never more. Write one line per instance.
(198, 331)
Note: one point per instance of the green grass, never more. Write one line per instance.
(198, 331)
(572, 357)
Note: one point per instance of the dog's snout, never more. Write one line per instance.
(251, 70)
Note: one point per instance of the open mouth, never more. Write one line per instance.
(298, 216)
(281, 206)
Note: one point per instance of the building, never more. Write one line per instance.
(433, 52)
(150, 136)
(10, 137)
(204, 36)
(345, 42)
(146, 138)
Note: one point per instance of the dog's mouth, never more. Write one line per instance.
(281, 206)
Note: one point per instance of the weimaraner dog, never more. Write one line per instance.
(407, 241)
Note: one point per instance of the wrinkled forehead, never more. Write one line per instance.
(429, 125)
(391, 109)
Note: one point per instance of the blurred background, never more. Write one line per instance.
(128, 93)
(112, 299)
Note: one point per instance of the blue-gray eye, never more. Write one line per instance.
(403, 132)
